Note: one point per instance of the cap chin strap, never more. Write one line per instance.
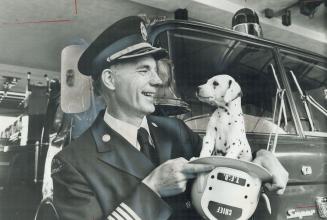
(127, 50)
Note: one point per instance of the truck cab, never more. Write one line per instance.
(284, 103)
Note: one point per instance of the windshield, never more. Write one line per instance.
(199, 56)
(308, 80)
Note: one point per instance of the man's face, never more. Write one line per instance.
(135, 84)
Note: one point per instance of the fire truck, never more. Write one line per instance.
(284, 104)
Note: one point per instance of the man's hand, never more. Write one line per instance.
(170, 178)
(280, 176)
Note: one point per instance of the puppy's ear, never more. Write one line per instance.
(233, 91)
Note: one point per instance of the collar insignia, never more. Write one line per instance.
(154, 124)
(106, 138)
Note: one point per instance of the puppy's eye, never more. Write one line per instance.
(215, 83)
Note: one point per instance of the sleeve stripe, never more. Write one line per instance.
(117, 216)
(130, 211)
(125, 214)
(111, 218)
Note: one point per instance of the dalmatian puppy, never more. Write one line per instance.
(225, 134)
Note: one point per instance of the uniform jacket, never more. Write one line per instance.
(97, 177)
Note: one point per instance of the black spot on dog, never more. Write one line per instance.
(215, 83)
(207, 142)
(225, 144)
(229, 123)
(233, 143)
(247, 151)
(226, 104)
(235, 121)
(229, 83)
(220, 152)
(238, 158)
(228, 113)
(216, 129)
(219, 138)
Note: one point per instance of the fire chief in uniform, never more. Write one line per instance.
(128, 164)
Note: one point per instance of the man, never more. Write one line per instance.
(130, 165)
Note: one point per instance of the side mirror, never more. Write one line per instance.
(76, 88)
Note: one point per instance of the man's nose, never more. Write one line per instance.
(155, 79)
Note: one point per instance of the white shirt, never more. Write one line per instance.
(126, 130)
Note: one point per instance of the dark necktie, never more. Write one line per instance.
(146, 148)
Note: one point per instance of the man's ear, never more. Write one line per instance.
(108, 79)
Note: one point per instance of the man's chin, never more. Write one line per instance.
(146, 108)
(150, 110)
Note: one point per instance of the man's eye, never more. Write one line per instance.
(215, 83)
(143, 71)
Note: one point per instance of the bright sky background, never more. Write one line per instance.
(5, 122)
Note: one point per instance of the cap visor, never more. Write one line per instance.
(83, 65)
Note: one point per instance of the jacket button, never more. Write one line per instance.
(106, 138)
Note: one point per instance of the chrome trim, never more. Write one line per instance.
(252, 29)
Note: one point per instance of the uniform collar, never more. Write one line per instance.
(115, 150)
(126, 130)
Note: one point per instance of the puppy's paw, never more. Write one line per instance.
(207, 147)
(205, 153)
(245, 157)
(232, 153)
(239, 154)
(244, 154)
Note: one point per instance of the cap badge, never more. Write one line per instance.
(143, 31)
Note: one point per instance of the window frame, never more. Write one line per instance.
(158, 28)
(281, 51)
